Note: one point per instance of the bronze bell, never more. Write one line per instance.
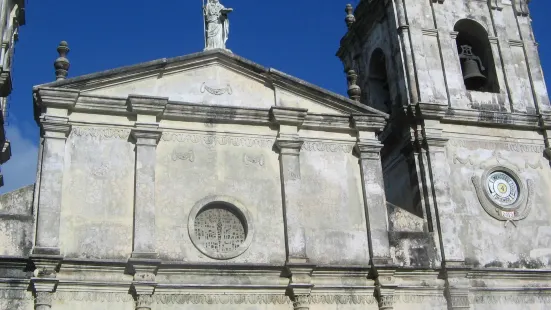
(471, 66)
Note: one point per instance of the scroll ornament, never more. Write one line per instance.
(216, 91)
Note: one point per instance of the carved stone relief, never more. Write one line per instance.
(498, 146)
(100, 133)
(498, 159)
(251, 160)
(216, 91)
(327, 147)
(218, 139)
(183, 155)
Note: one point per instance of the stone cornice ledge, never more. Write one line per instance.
(362, 122)
(327, 121)
(56, 97)
(147, 105)
(215, 114)
(112, 105)
(491, 118)
(288, 116)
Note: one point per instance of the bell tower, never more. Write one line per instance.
(466, 150)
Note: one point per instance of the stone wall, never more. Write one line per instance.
(17, 222)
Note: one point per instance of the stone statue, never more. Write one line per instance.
(217, 25)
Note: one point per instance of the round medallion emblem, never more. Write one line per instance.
(503, 194)
(502, 188)
(220, 227)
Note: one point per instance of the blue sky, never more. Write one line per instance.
(296, 37)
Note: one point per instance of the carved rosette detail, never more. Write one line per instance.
(460, 302)
(144, 302)
(43, 299)
(301, 302)
(386, 302)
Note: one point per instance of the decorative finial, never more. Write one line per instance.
(62, 64)
(350, 19)
(354, 91)
(217, 26)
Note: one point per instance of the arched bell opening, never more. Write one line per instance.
(475, 56)
(379, 91)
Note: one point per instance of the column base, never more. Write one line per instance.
(144, 255)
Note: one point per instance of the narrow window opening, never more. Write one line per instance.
(379, 91)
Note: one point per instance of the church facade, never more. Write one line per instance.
(208, 181)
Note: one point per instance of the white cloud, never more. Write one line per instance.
(20, 170)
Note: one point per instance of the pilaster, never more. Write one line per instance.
(300, 284)
(439, 180)
(146, 137)
(54, 130)
(385, 288)
(368, 150)
(457, 287)
(288, 144)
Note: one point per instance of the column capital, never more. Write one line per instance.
(288, 116)
(300, 275)
(289, 146)
(55, 126)
(143, 135)
(368, 149)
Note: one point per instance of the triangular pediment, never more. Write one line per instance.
(212, 78)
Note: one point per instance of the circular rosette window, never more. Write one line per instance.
(220, 227)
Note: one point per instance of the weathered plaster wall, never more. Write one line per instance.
(17, 222)
(331, 193)
(194, 165)
(98, 190)
(16, 300)
(486, 241)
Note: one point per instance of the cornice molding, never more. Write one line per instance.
(371, 123)
(288, 116)
(147, 105)
(56, 97)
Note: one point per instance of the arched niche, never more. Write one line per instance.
(476, 57)
(379, 91)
